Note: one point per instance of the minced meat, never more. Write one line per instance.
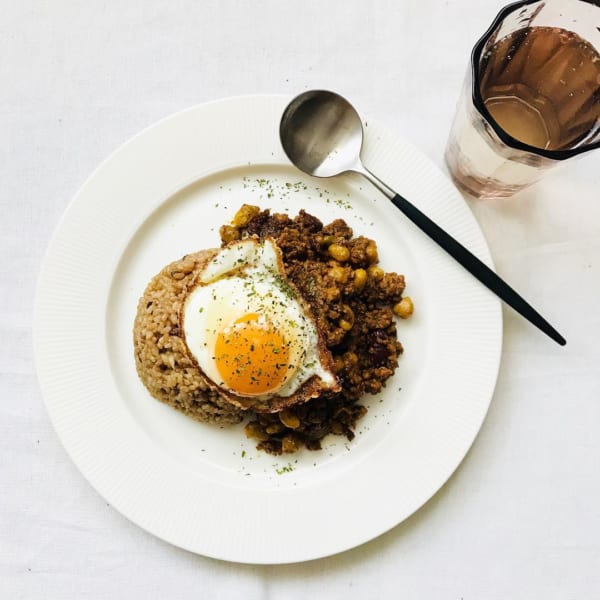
(352, 299)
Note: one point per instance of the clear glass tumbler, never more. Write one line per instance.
(531, 98)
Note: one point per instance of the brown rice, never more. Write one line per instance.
(161, 357)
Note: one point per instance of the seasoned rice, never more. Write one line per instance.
(161, 358)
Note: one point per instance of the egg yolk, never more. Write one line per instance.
(252, 357)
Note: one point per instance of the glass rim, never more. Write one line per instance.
(508, 139)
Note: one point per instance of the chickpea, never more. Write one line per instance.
(339, 252)
(346, 322)
(331, 294)
(371, 252)
(404, 308)
(375, 273)
(338, 274)
(289, 419)
(337, 428)
(254, 431)
(352, 358)
(274, 428)
(244, 215)
(229, 233)
(289, 444)
(360, 279)
(328, 240)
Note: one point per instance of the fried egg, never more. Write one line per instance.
(251, 333)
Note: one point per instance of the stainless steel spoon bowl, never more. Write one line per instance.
(322, 135)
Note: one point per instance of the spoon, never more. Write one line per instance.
(322, 135)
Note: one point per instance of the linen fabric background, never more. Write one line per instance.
(520, 516)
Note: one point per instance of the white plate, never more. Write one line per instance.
(204, 488)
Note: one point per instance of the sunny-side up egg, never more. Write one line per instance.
(251, 334)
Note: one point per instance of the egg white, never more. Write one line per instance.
(247, 277)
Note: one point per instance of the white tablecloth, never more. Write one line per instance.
(520, 519)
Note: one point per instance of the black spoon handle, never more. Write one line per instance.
(478, 269)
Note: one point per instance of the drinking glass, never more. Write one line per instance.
(531, 98)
